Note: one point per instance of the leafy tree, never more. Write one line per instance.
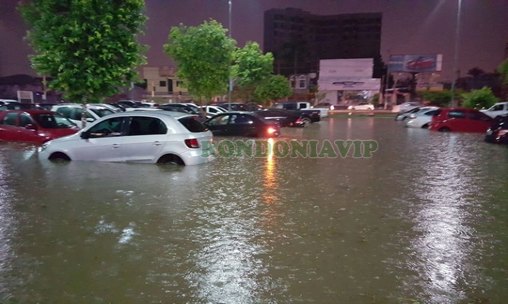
(437, 98)
(250, 67)
(272, 88)
(87, 48)
(482, 98)
(203, 55)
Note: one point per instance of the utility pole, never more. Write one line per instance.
(456, 55)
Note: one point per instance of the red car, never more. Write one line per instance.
(460, 120)
(34, 126)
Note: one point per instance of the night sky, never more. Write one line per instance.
(409, 27)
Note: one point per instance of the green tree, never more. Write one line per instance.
(272, 88)
(478, 99)
(250, 67)
(203, 55)
(88, 48)
(437, 98)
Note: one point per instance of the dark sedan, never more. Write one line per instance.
(34, 126)
(242, 124)
(285, 118)
(498, 131)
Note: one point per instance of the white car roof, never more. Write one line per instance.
(158, 113)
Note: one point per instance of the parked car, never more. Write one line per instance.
(113, 108)
(422, 118)
(361, 106)
(498, 109)
(242, 124)
(238, 106)
(406, 106)
(7, 101)
(15, 105)
(34, 126)
(74, 111)
(401, 116)
(183, 108)
(315, 114)
(460, 120)
(498, 131)
(137, 136)
(213, 110)
(285, 118)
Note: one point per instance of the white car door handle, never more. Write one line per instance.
(115, 146)
(157, 143)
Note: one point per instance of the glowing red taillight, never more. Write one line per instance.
(192, 143)
(271, 130)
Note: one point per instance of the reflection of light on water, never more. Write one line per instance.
(269, 175)
(445, 244)
(228, 264)
(349, 128)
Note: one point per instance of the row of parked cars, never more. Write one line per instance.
(168, 133)
(493, 121)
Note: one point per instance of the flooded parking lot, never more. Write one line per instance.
(424, 220)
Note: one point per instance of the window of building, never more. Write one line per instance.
(162, 83)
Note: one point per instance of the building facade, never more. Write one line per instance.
(299, 40)
(162, 84)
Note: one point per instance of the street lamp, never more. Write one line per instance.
(230, 86)
(456, 54)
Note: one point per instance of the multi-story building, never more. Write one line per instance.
(299, 39)
(162, 84)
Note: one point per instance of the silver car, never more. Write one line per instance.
(142, 137)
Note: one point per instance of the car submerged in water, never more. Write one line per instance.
(137, 136)
(460, 120)
(34, 126)
(240, 123)
(497, 133)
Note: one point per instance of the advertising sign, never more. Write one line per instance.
(415, 63)
(351, 68)
(350, 84)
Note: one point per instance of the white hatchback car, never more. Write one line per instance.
(137, 136)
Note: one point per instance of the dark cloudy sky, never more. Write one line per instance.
(409, 27)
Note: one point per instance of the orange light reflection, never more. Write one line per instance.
(270, 179)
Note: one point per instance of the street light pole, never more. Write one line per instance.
(230, 86)
(456, 54)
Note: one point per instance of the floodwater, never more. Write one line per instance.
(424, 220)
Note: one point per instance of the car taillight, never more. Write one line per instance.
(192, 143)
(271, 130)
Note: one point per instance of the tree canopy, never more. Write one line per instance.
(251, 65)
(88, 48)
(272, 88)
(250, 68)
(203, 55)
(478, 99)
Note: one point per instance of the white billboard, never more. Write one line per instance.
(353, 84)
(345, 68)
